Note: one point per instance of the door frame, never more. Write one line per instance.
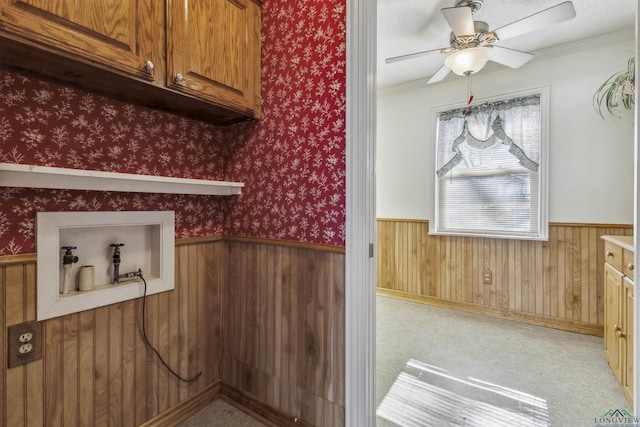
(636, 228)
(360, 285)
(360, 221)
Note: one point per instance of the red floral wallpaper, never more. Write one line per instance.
(50, 125)
(195, 215)
(292, 162)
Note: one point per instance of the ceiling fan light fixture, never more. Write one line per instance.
(469, 61)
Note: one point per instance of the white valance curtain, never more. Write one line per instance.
(499, 134)
(487, 169)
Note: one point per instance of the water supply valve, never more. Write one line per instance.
(68, 259)
(116, 261)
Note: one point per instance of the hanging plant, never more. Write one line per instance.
(618, 89)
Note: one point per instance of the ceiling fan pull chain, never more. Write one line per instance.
(468, 110)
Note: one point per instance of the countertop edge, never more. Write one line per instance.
(626, 242)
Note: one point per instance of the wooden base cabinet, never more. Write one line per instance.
(618, 309)
(627, 339)
(613, 285)
(198, 58)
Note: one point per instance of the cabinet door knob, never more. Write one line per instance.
(617, 327)
(609, 254)
(621, 334)
(149, 66)
(178, 78)
(630, 266)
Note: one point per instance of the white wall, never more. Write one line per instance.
(590, 159)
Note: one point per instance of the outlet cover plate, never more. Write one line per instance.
(14, 343)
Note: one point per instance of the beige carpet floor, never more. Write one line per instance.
(440, 367)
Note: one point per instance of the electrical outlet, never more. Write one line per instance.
(487, 276)
(25, 348)
(26, 336)
(24, 343)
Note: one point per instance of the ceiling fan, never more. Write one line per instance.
(471, 43)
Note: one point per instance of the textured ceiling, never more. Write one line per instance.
(408, 26)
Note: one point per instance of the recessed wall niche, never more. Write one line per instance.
(68, 285)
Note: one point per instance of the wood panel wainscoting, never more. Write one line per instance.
(283, 328)
(555, 283)
(263, 322)
(96, 369)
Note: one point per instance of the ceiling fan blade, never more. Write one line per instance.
(460, 20)
(439, 75)
(558, 13)
(416, 55)
(510, 57)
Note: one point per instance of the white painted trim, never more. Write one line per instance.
(360, 206)
(16, 175)
(636, 228)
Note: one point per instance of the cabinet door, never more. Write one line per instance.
(613, 282)
(627, 340)
(213, 51)
(114, 34)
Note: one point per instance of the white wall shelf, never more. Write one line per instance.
(30, 176)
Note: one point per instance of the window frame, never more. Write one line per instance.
(543, 171)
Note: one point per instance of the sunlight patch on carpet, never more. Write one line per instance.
(425, 395)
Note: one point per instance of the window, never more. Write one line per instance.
(490, 168)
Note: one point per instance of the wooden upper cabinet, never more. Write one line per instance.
(113, 34)
(198, 58)
(213, 51)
